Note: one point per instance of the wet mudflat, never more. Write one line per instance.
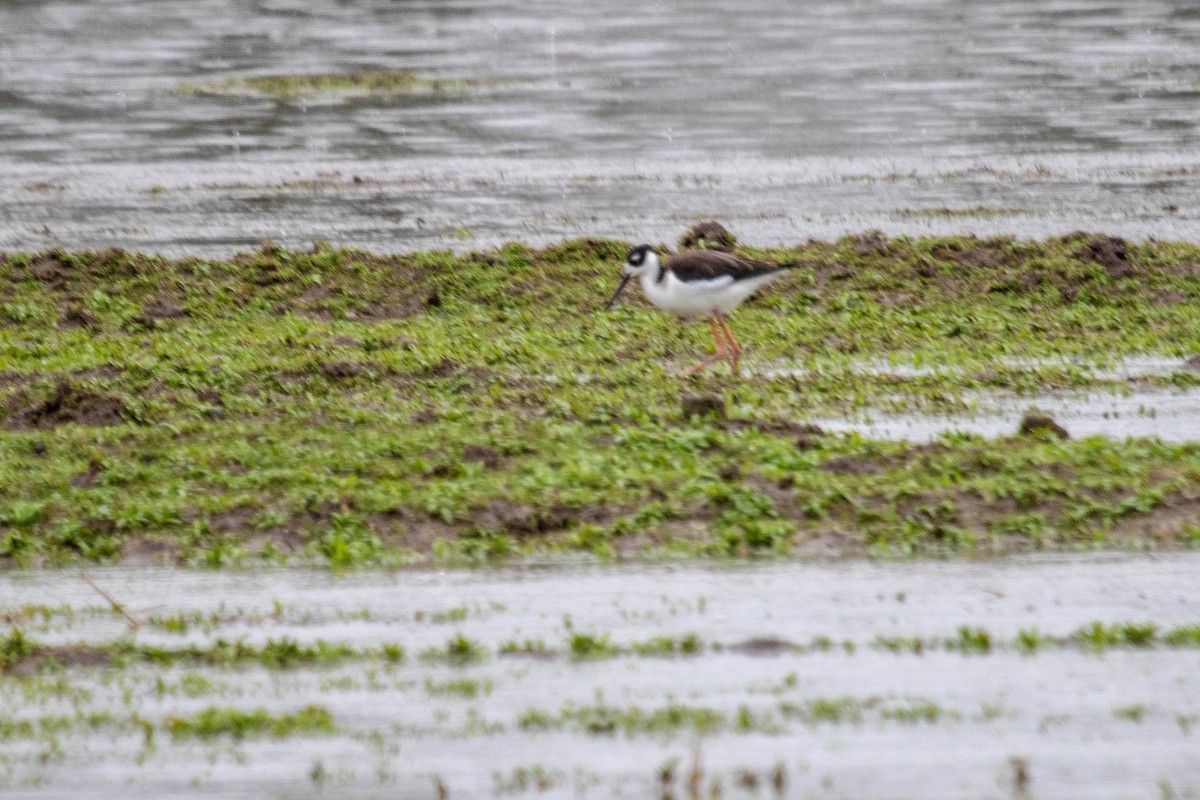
(1064, 677)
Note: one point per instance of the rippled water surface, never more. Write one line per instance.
(930, 723)
(785, 120)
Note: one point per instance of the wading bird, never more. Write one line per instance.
(699, 283)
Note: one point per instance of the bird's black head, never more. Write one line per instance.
(638, 260)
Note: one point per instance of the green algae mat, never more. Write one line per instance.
(354, 408)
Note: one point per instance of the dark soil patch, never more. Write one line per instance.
(482, 454)
(161, 309)
(702, 405)
(522, 518)
(77, 316)
(68, 404)
(852, 465)
(1110, 252)
(1192, 364)
(51, 272)
(339, 370)
(148, 551)
(73, 655)
(86, 480)
(763, 646)
(871, 243)
(985, 254)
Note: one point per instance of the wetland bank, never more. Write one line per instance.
(345, 407)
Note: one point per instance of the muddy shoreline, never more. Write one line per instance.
(352, 408)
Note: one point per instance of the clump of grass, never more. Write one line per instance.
(825, 709)
(14, 648)
(1030, 640)
(688, 645)
(971, 640)
(592, 646)
(1099, 636)
(380, 83)
(463, 687)
(915, 712)
(458, 650)
(535, 647)
(1183, 636)
(214, 722)
(1133, 713)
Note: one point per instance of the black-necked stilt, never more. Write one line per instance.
(699, 283)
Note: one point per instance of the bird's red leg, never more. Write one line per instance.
(720, 350)
(735, 352)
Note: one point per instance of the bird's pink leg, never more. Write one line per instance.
(735, 352)
(720, 351)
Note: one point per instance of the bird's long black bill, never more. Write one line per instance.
(617, 293)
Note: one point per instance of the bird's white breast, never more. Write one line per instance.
(699, 298)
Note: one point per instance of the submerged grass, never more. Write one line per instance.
(352, 408)
(379, 83)
(214, 722)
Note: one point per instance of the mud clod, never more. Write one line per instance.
(708, 235)
(160, 310)
(1110, 252)
(482, 454)
(339, 370)
(763, 646)
(1035, 423)
(871, 243)
(851, 465)
(809, 437)
(69, 404)
(79, 317)
(702, 405)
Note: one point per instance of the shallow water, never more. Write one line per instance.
(1064, 710)
(1133, 409)
(784, 121)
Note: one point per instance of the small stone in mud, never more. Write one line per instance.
(1035, 423)
(707, 235)
(702, 405)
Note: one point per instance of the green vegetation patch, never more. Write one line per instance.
(214, 722)
(357, 409)
(379, 83)
(19, 651)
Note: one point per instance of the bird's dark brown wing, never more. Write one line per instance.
(707, 265)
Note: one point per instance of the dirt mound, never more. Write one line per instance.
(708, 235)
(1035, 423)
(871, 243)
(68, 404)
(1110, 252)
